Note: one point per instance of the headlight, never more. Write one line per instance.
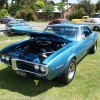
(43, 69)
(36, 67)
(7, 58)
(3, 57)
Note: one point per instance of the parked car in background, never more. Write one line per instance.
(52, 53)
(16, 22)
(94, 23)
(60, 21)
(5, 19)
(96, 15)
(79, 20)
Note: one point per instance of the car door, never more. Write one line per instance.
(85, 43)
(87, 40)
(92, 23)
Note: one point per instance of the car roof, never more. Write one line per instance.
(17, 19)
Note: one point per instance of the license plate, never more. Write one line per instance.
(21, 73)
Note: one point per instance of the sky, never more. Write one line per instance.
(75, 1)
(70, 1)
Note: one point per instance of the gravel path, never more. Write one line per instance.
(2, 27)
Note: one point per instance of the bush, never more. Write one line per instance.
(26, 14)
(29, 15)
(4, 12)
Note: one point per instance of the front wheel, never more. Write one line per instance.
(1, 22)
(68, 74)
(8, 33)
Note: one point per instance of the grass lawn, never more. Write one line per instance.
(85, 86)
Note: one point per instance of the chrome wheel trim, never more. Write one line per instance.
(71, 71)
(95, 47)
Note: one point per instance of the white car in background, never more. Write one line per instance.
(16, 22)
(93, 23)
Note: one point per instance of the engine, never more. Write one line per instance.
(36, 49)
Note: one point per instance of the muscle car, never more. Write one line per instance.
(51, 53)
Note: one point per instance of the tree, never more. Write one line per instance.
(87, 6)
(26, 14)
(48, 11)
(98, 6)
(61, 8)
(76, 12)
(33, 6)
(40, 4)
(2, 2)
(13, 9)
(4, 12)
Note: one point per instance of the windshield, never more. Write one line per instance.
(70, 32)
(16, 21)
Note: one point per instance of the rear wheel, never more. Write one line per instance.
(68, 74)
(94, 48)
(96, 28)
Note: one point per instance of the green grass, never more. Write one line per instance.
(85, 86)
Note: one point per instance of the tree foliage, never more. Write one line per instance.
(77, 12)
(13, 9)
(2, 4)
(83, 7)
(33, 6)
(40, 4)
(48, 10)
(87, 6)
(61, 8)
(26, 14)
(4, 12)
(98, 6)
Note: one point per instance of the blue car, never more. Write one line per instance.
(52, 53)
(21, 23)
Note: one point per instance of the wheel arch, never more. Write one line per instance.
(96, 27)
(73, 57)
(67, 79)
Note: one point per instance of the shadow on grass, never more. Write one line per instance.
(26, 86)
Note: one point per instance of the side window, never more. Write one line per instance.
(86, 32)
(93, 21)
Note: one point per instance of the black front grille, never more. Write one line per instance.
(28, 67)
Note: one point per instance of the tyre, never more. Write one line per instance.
(93, 49)
(96, 28)
(8, 33)
(1, 22)
(68, 74)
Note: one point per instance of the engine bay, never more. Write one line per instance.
(41, 48)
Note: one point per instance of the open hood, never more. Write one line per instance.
(35, 33)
